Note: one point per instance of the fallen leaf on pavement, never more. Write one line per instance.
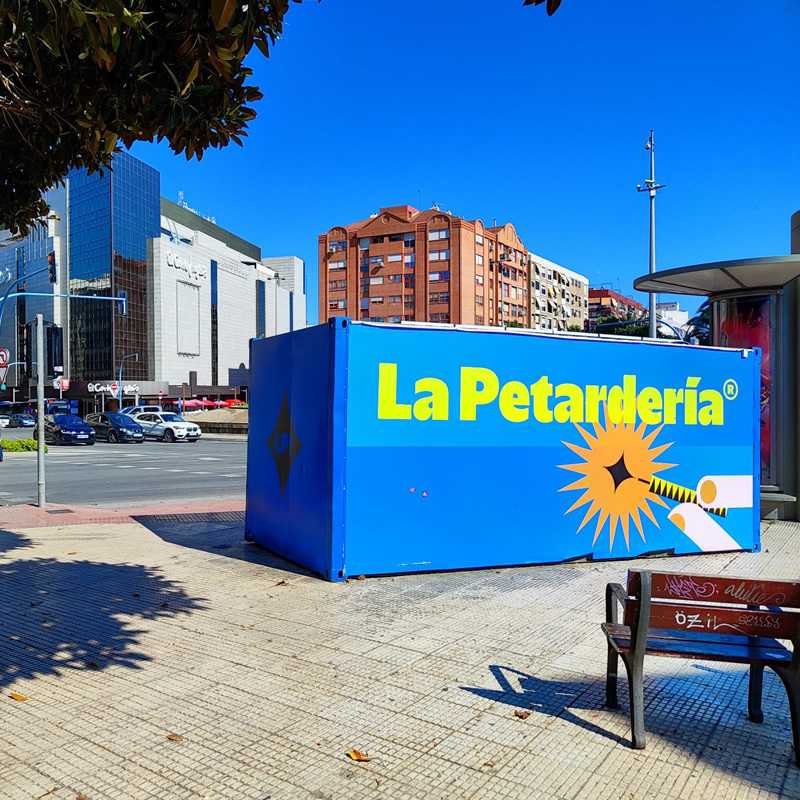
(93, 665)
(54, 789)
(164, 605)
(134, 594)
(488, 763)
(73, 553)
(81, 797)
(361, 578)
(282, 583)
(173, 737)
(15, 696)
(357, 755)
(522, 714)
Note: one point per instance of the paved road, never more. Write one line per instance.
(129, 474)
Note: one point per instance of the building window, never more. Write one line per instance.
(443, 317)
(395, 278)
(478, 299)
(376, 280)
(396, 237)
(337, 265)
(334, 304)
(214, 327)
(440, 276)
(440, 297)
(378, 239)
(337, 247)
(408, 303)
(478, 320)
(395, 298)
(478, 239)
(408, 260)
(376, 319)
(376, 300)
(363, 244)
(479, 259)
(410, 282)
(479, 280)
(261, 309)
(376, 261)
(396, 257)
(442, 233)
(333, 285)
(395, 319)
(439, 255)
(408, 240)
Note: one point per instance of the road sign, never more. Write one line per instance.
(114, 387)
(5, 357)
(160, 394)
(57, 383)
(65, 384)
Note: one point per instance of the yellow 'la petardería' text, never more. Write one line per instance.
(518, 401)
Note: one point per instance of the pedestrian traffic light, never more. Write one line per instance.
(51, 266)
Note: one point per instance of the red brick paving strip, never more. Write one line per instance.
(29, 516)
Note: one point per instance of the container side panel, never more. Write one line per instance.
(288, 452)
(470, 449)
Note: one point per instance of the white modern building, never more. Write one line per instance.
(559, 296)
(211, 292)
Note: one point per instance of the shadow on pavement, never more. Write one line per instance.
(704, 713)
(76, 615)
(12, 541)
(221, 533)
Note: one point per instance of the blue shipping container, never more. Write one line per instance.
(379, 449)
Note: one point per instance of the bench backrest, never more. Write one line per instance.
(714, 604)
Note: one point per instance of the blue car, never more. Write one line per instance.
(65, 429)
(22, 421)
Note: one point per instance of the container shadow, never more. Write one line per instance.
(220, 533)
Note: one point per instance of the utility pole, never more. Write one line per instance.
(652, 187)
(40, 370)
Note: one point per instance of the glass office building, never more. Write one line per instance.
(111, 217)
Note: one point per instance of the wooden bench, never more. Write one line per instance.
(736, 620)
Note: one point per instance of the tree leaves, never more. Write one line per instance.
(552, 5)
(79, 80)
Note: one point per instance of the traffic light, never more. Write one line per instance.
(51, 266)
(54, 350)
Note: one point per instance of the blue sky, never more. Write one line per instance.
(497, 111)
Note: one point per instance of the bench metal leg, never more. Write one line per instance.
(791, 680)
(754, 693)
(636, 694)
(612, 668)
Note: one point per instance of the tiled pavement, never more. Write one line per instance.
(122, 633)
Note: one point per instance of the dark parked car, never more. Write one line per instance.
(65, 429)
(115, 427)
(22, 421)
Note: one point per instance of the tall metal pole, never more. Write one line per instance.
(40, 370)
(653, 328)
(652, 187)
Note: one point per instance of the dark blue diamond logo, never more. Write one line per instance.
(284, 444)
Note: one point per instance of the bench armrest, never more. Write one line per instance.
(614, 591)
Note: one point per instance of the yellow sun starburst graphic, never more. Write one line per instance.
(617, 469)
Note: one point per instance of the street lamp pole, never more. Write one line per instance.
(652, 187)
(119, 382)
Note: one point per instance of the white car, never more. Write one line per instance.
(167, 426)
(5, 421)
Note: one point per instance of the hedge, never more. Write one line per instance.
(20, 446)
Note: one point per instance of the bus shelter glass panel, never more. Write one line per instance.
(750, 322)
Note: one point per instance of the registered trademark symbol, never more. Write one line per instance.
(731, 389)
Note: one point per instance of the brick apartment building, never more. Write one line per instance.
(608, 303)
(405, 264)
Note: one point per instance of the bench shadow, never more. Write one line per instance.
(71, 614)
(220, 533)
(540, 696)
(722, 736)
